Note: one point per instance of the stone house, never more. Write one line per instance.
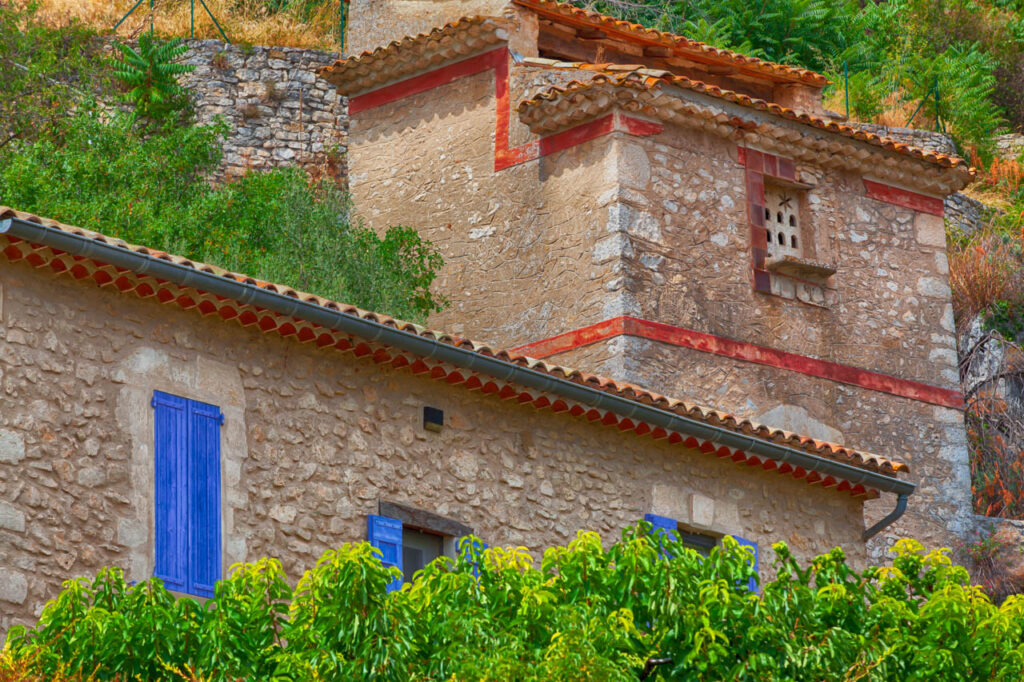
(674, 216)
(671, 215)
(171, 418)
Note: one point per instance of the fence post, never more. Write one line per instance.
(341, 26)
(846, 85)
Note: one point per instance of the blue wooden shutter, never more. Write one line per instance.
(170, 443)
(204, 486)
(663, 526)
(752, 585)
(466, 546)
(386, 535)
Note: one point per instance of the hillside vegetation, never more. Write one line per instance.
(110, 145)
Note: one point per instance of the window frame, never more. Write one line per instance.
(389, 513)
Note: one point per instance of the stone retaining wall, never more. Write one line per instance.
(925, 139)
(1010, 146)
(280, 112)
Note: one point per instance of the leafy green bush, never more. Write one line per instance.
(100, 171)
(586, 612)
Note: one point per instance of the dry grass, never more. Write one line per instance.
(244, 21)
(983, 270)
(895, 112)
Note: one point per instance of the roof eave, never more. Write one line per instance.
(756, 69)
(732, 119)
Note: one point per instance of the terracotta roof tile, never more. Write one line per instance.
(641, 79)
(401, 58)
(693, 49)
(629, 391)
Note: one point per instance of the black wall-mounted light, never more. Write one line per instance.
(433, 419)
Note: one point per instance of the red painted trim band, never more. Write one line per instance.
(423, 82)
(504, 156)
(905, 198)
(741, 350)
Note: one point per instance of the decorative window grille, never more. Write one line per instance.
(782, 222)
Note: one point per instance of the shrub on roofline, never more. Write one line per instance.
(643, 608)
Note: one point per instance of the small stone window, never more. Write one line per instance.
(782, 221)
(411, 538)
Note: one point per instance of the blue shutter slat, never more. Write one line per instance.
(386, 535)
(170, 445)
(663, 526)
(752, 585)
(204, 467)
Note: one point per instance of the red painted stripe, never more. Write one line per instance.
(427, 81)
(904, 198)
(741, 350)
(574, 339)
(585, 132)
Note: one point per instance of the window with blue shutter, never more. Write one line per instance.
(752, 584)
(663, 527)
(386, 535)
(187, 494)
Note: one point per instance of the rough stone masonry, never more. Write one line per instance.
(279, 112)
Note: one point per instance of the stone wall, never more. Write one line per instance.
(931, 140)
(965, 214)
(1010, 145)
(280, 113)
(517, 243)
(312, 439)
(684, 256)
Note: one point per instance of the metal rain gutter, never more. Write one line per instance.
(183, 275)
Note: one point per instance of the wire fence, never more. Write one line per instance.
(342, 19)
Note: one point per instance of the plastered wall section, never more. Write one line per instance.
(519, 243)
(312, 439)
(373, 23)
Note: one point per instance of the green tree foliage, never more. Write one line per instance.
(42, 70)
(100, 171)
(894, 50)
(149, 76)
(587, 612)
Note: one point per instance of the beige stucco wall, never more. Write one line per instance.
(312, 439)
